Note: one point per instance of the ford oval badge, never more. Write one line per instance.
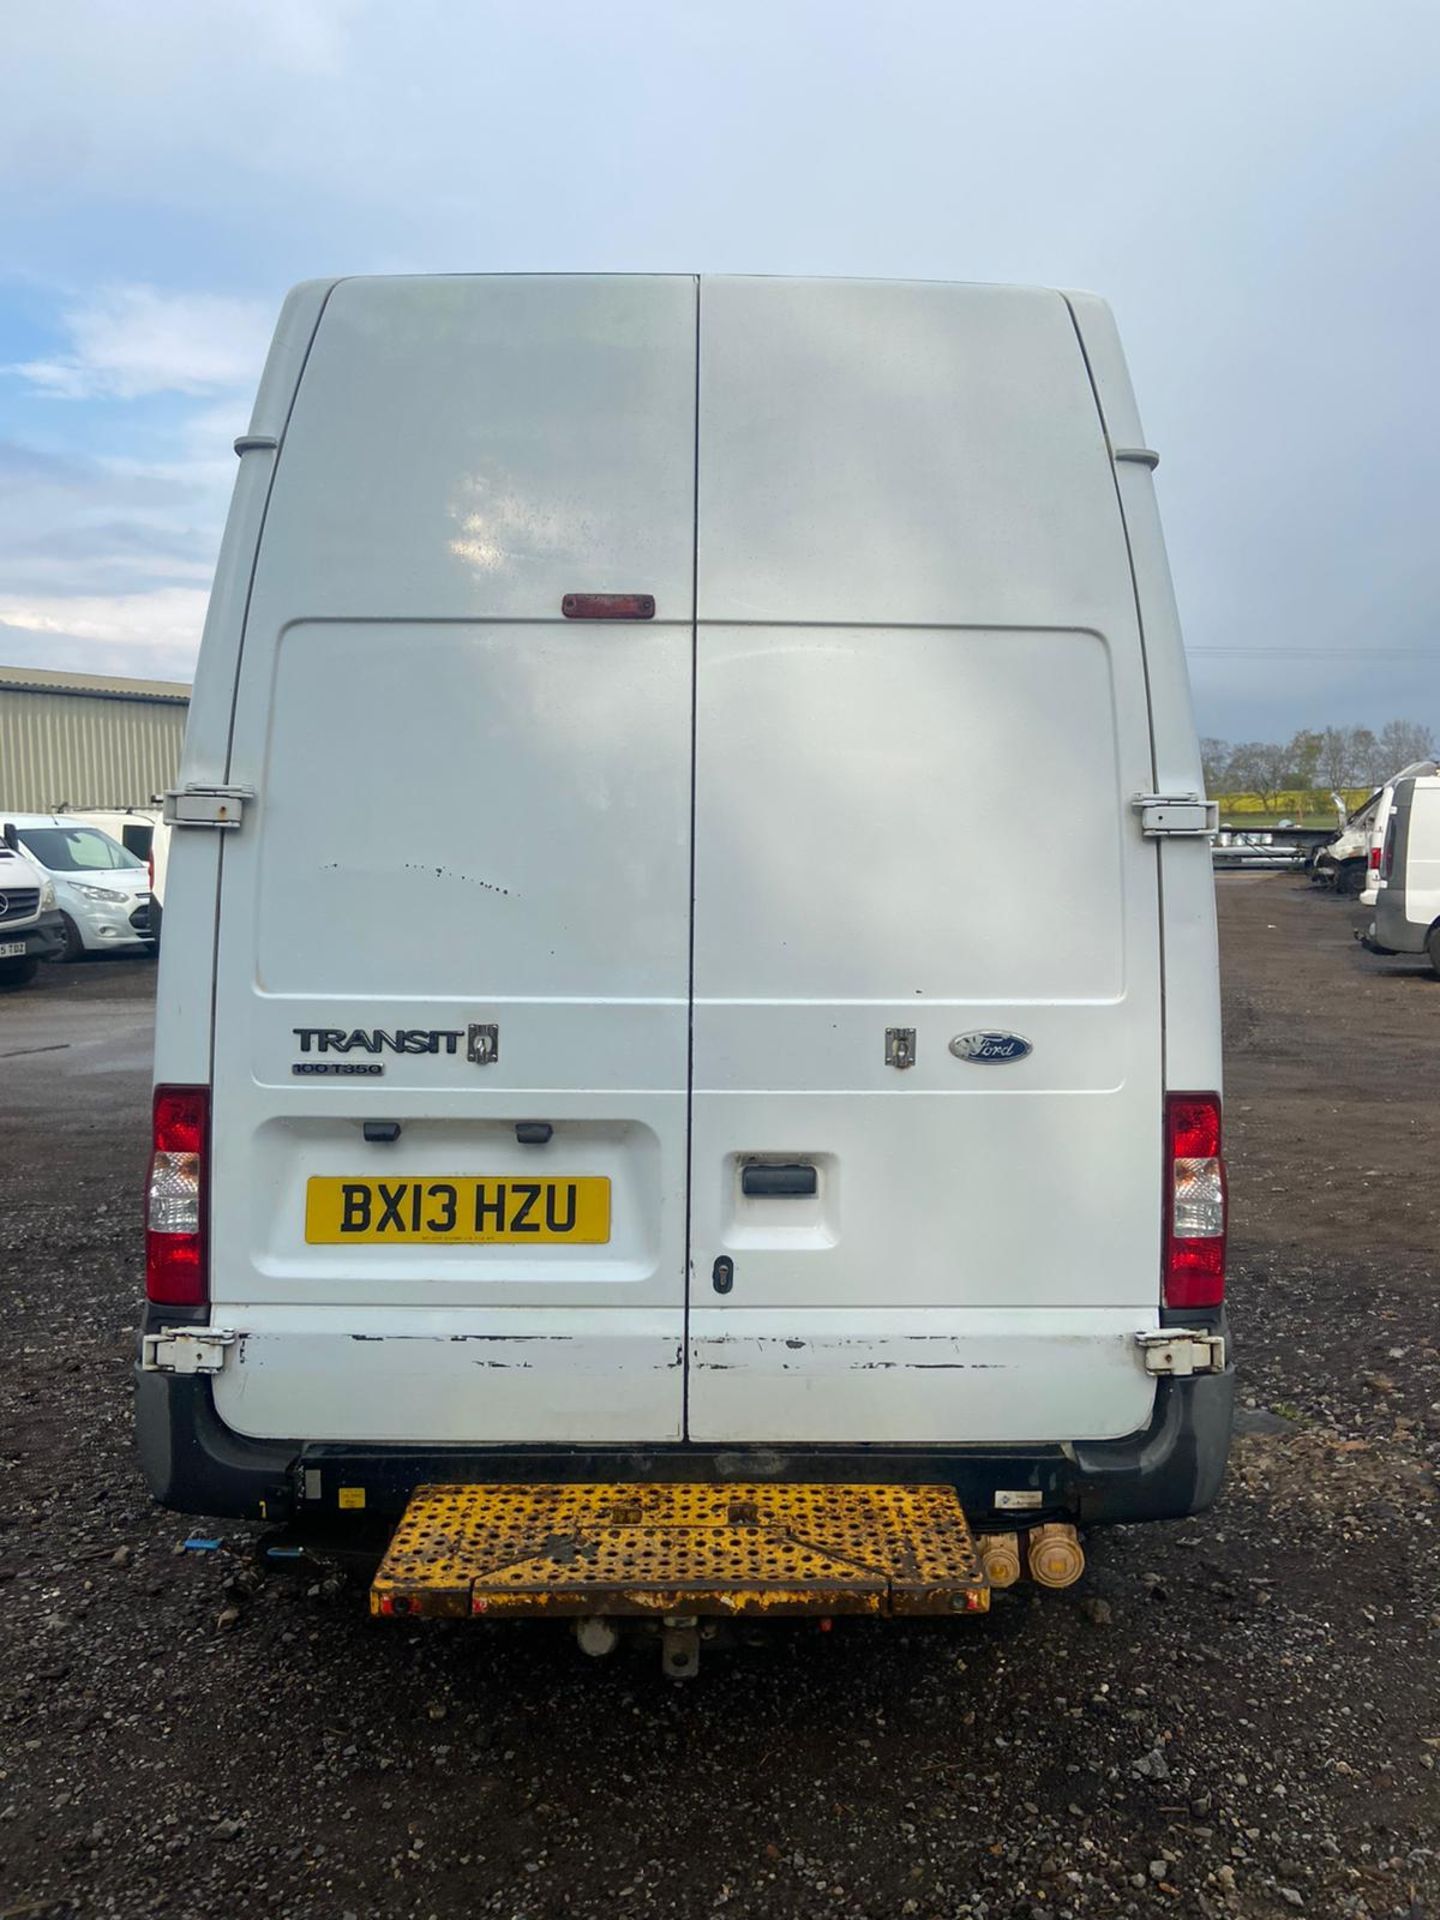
(989, 1049)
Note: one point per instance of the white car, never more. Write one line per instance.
(145, 833)
(102, 890)
(583, 1057)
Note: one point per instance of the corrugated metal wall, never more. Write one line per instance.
(86, 750)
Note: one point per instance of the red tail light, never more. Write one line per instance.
(175, 1253)
(1195, 1201)
(1374, 859)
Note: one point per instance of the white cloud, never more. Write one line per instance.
(71, 524)
(129, 341)
(164, 622)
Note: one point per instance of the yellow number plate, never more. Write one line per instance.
(458, 1209)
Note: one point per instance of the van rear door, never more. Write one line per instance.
(460, 900)
(921, 717)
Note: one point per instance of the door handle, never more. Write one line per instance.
(797, 1182)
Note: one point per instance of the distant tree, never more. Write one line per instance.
(1312, 762)
(1334, 762)
(1215, 763)
(1368, 758)
(1275, 774)
(1260, 767)
(1304, 756)
(1243, 772)
(1402, 742)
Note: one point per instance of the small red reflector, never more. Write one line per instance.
(608, 606)
(1197, 1273)
(1194, 1126)
(174, 1269)
(180, 1119)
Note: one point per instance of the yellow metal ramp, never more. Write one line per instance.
(511, 1550)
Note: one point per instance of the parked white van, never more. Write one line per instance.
(133, 827)
(1407, 908)
(1373, 883)
(589, 1079)
(29, 924)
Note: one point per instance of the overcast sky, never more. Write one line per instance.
(1254, 186)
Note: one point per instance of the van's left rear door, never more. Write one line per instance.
(471, 832)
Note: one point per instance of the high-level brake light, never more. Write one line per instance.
(608, 606)
(175, 1263)
(1195, 1205)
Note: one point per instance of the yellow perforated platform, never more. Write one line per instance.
(691, 1549)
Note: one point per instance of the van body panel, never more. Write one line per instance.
(1006, 1378)
(914, 592)
(497, 903)
(185, 985)
(892, 453)
(672, 888)
(1033, 1183)
(472, 813)
(541, 441)
(412, 1375)
(1189, 937)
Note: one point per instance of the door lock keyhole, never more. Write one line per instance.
(722, 1274)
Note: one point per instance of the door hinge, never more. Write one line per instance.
(185, 1350)
(200, 806)
(1182, 1351)
(1175, 816)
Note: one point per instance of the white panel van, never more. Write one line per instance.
(1380, 827)
(584, 1053)
(1407, 906)
(29, 923)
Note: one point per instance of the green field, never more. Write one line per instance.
(1300, 809)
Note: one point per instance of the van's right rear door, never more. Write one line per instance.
(921, 719)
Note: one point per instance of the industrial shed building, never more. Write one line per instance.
(87, 740)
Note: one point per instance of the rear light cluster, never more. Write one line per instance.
(175, 1252)
(1195, 1205)
(1374, 859)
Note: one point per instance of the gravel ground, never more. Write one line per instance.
(1235, 1714)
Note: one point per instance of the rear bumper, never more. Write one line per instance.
(1391, 932)
(196, 1464)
